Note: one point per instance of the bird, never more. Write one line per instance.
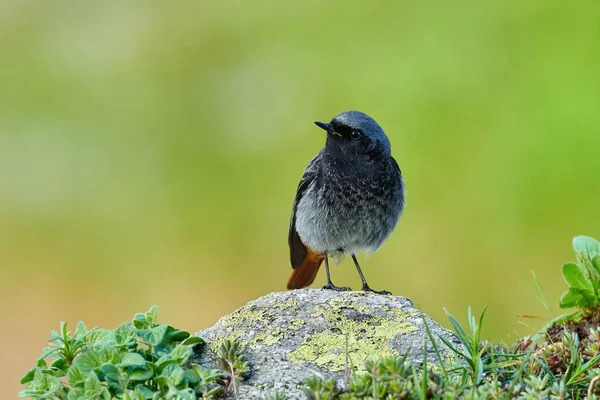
(349, 200)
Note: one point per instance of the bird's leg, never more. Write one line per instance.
(330, 284)
(365, 285)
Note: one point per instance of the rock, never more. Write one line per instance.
(290, 336)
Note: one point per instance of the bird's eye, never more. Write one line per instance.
(355, 134)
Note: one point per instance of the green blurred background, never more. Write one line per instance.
(150, 152)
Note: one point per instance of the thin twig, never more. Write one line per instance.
(233, 379)
(347, 366)
(592, 384)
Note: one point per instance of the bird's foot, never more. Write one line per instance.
(331, 286)
(368, 289)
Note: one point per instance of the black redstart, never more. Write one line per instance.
(349, 199)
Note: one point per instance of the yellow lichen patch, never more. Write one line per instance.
(341, 302)
(295, 324)
(272, 336)
(367, 337)
(249, 316)
(287, 304)
(241, 316)
(235, 335)
(270, 339)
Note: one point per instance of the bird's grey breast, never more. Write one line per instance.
(351, 208)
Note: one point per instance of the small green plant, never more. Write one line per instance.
(275, 396)
(583, 277)
(321, 389)
(138, 360)
(471, 343)
(232, 360)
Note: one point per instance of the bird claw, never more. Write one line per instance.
(368, 289)
(331, 286)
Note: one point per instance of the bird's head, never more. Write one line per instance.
(353, 133)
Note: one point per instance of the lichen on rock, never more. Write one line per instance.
(290, 336)
(355, 335)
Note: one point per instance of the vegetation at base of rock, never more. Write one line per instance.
(138, 360)
(145, 360)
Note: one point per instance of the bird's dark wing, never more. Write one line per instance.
(297, 248)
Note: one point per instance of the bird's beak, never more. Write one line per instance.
(327, 127)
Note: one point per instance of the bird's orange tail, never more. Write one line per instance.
(306, 273)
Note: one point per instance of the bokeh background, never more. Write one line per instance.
(150, 152)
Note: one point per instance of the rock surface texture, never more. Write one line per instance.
(290, 336)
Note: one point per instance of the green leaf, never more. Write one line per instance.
(145, 391)
(81, 330)
(192, 340)
(162, 349)
(586, 244)
(101, 337)
(191, 376)
(28, 377)
(140, 393)
(152, 336)
(132, 359)
(589, 299)
(172, 375)
(125, 334)
(179, 355)
(91, 359)
(152, 315)
(60, 364)
(76, 377)
(115, 378)
(87, 361)
(77, 393)
(596, 263)
(108, 355)
(133, 395)
(140, 321)
(570, 299)
(182, 353)
(140, 373)
(43, 386)
(163, 361)
(218, 391)
(181, 394)
(175, 335)
(111, 372)
(94, 389)
(574, 277)
(207, 375)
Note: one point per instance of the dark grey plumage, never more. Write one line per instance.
(351, 195)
